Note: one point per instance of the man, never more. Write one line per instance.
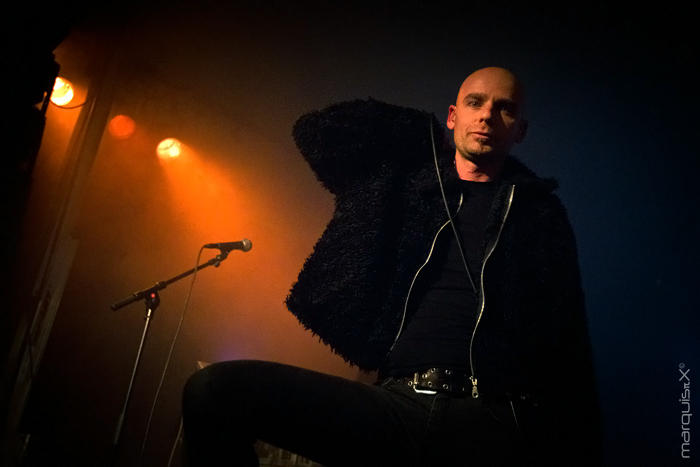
(453, 272)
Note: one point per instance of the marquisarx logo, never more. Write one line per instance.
(684, 379)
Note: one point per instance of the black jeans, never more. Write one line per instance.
(338, 422)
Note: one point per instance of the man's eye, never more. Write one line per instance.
(509, 110)
(473, 103)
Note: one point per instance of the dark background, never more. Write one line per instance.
(612, 104)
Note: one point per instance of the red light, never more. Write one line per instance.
(121, 127)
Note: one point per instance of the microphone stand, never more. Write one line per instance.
(152, 300)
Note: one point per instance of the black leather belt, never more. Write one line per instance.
(455, 383)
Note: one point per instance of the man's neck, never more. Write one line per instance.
(468, 170)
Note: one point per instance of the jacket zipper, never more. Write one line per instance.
(415, 276)
(472, 378)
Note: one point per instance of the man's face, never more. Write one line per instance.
(487, 117)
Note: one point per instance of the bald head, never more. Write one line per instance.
(489, 76)
(487, 118)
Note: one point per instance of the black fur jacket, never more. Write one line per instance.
(377, 159)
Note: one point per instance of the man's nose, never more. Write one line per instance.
(486, 111)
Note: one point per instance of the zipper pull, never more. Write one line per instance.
(475, 391)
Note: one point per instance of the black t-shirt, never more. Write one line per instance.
(443, 307)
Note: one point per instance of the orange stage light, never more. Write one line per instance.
(121, 127)
(169, 148)
(62, 92)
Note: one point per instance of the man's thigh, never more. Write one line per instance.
(326, 418)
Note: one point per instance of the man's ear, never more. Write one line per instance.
(522, 131)
(451, 117)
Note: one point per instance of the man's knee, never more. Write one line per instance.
(220, 384)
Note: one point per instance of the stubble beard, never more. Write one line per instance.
(485, 158)
(476, 157)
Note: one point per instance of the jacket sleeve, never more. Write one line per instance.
(345, 142)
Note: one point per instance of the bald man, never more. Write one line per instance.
(450, 270)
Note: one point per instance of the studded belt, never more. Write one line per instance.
(457, 383)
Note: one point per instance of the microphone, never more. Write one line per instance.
(244, 245)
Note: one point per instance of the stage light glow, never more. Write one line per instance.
(121, 127)
(62, 92)
(169, 148)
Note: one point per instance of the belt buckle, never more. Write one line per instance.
(434, 380)
(420, 388)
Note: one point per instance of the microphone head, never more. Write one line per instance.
(246, 244)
